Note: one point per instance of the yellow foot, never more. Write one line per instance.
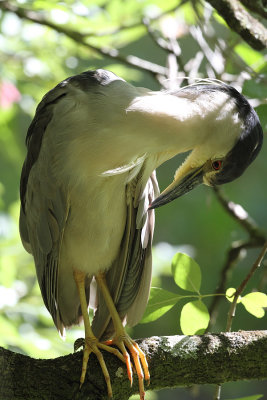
(139, 360)
(92, 345)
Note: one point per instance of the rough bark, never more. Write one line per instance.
(240, 21)
(173, 361)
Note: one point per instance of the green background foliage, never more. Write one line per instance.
(33, 59)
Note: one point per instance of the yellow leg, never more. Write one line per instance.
(91, 342)
(122, 339)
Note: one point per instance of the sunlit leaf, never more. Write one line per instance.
(194, 318)
(186, 272)
(160, 301)
(254, 303)
(230, 293)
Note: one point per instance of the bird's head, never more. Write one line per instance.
(222, 157)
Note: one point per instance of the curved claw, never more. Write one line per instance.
(139, 360)
(92, 345)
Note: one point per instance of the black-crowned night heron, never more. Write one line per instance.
(88, 189)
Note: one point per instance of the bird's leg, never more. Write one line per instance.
(123, 340)
(91, 342)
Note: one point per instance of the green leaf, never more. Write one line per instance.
(160, 301)
(186, 272)
(230, 293)
(253, 397)
(194, 318)
(254, 303)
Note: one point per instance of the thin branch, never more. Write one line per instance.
(159, 41)
(241, 216)
(242, 286)
(240, 21)
(212, 56)
(173, 361)
(233, 257)
(217, 394)
(256, 239)
(170, 46)
(79, 38)
(174, 58)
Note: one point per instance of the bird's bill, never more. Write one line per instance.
(180, 186)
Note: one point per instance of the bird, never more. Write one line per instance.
(89, 192)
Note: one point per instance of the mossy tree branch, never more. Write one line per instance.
(173, 361)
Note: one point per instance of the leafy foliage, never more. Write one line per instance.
(195, 316)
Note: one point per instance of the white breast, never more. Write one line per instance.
(95, 225)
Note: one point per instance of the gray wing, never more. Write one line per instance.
(43, 206)
(129, 277)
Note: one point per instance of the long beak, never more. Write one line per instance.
(179, 187)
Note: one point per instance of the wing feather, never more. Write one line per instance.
(43, 206)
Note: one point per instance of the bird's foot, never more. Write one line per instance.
(124, 341)
(92, 345)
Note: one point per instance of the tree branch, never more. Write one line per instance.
(173, 361)
(79, 38)
(240, 21)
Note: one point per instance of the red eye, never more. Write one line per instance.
(217, 165)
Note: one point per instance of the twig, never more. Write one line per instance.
(159, 41)
(233, 256)
(174, 58)
(217, 394)
(240, 215)
(242, 286)
(212, 56)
